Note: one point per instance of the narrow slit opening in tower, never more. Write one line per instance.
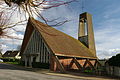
(86, 30)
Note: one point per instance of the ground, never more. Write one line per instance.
(12, 72)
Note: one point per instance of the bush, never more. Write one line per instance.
(40, 65)
(22, 63)
(5, 60)
(10, 60)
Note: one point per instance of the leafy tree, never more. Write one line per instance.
(114, 60)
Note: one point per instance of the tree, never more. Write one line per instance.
(29, 8)
(34, 7)
(6, 24)
(114, 60)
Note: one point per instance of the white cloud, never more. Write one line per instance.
(107, 34)
(107, 53)
(110, 11)
(9, 41)
(4, 47)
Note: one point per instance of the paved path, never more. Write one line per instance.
(11, 72)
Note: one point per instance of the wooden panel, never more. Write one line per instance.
(71, 63)
(88, 61)
(95, 63)
(40, 47)
(85, 64)
(59, 65)
(77, 64)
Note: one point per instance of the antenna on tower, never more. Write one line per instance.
(82, 3)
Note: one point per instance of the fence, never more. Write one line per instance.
(113, 71)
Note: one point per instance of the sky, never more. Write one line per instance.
(106, 23)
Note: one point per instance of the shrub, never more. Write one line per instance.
(10, 60)
(40, 65)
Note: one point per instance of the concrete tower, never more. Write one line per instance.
(85, 33)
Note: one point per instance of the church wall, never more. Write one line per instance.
(36, 45)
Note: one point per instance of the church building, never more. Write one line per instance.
(46, 47)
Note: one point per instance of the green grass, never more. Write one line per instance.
(88, 71)
(15, 63)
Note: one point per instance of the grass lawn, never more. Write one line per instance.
(15, 63)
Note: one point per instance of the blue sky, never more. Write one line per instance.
(106, 21)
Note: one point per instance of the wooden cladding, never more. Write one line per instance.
(78, 64)
(36, 45)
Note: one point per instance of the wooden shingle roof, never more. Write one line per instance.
(60, 43)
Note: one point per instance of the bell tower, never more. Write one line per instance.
(86, 33)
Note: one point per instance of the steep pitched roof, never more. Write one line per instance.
(59, 42)
(10, 53)
(0, 54)
(28, 32)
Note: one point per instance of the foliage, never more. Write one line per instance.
(22, 63)
(37, 65)
(88, 71)
(40, 65)
(114, 60)
(10, 60)
(16, 63)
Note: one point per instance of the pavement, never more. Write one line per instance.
(13, 72)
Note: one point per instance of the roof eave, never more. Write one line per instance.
(73, 56)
